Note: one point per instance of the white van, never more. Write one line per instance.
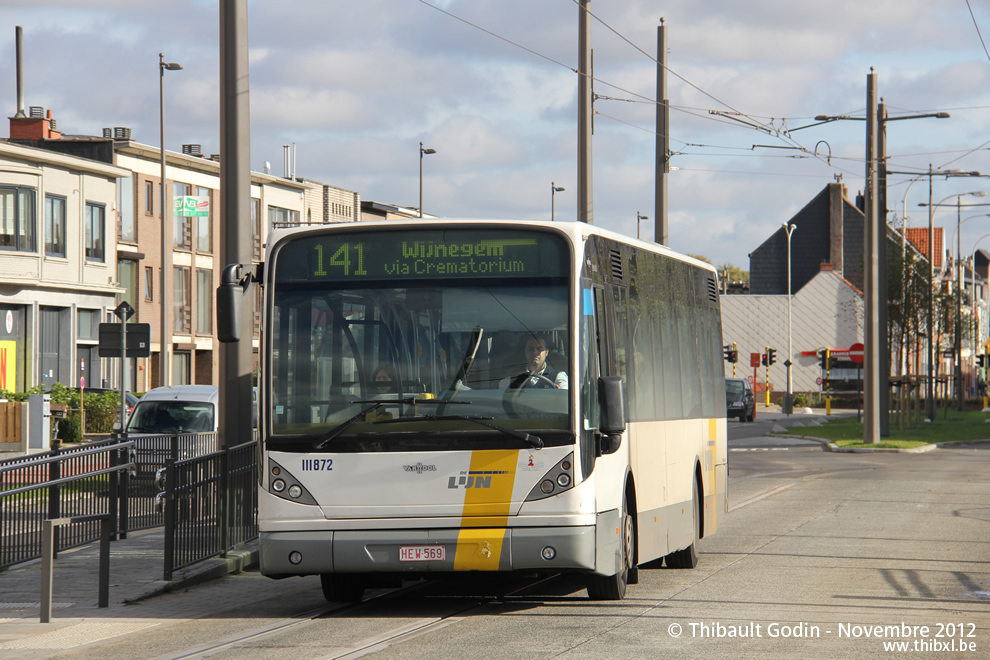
(178, 409)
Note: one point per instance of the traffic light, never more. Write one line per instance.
(727, 352)
(824, 359)
(733, 356)
(981, 360)
(771, 355)
(764, 359)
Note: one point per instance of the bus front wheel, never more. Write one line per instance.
(343, 587)
(613, 587)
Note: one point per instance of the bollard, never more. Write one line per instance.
(48, 560)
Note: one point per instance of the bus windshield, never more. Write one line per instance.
(389, 341)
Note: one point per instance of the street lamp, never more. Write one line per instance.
(164, 367)
(422, 152)
(957, 341)
(640, 218)
(788, 398)
(554, 189)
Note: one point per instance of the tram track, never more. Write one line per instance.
(449, 610)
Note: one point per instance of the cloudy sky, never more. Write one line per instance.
(358, 84)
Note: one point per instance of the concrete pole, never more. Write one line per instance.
(235, 231)
(871, 357)
(661, 234)
(584, 181)
(883, 352)
(930, 404)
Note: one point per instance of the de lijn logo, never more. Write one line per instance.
(474, 479)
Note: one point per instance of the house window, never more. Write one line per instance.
(54, 226)
(282, 217)
(149, 283)
(256, 227)
(125, 209)
(204, 300)
(96, 248)
(149, 198)
(181, 303)
(127, 271)
(89, 323)
(203, 224)
(181, 224)
(17, 218)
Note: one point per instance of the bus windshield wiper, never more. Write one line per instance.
(529, 438)
(324, 439)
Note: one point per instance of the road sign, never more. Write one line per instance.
(754, 359)
(750, 379)
(818, 381)
(856, 353)
(138, 340)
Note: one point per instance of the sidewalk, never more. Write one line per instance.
(136, 568)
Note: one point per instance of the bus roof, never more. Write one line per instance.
(578, 231)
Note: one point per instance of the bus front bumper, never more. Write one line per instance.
(428, 550)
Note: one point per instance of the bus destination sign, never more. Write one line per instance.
(343, 256)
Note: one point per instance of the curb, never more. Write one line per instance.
(204, 571)
(923, 449)
(832, 447)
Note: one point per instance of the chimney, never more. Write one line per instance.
(39, 125)
(192, 149)
(826, 267)
(19, 37)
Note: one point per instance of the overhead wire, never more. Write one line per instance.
(712, 115)
(977, 26)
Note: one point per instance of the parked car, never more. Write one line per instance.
(178, 409)
(177, 423)
(739, 399)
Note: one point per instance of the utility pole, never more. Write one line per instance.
(883, 375)
(661, 235)
(871, 358)
(584, 191)
(235, 195)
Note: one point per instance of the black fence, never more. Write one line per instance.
(80, 482)
(213, 503)
(210, 505)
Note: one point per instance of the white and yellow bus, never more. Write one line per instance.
(407, 428)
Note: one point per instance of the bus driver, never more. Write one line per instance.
(538, 372)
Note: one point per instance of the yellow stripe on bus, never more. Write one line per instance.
(486, 510)
(712, 481)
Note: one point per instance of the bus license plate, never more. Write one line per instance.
(422, 553)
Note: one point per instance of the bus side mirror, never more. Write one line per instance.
(229, 296)
(613, 412)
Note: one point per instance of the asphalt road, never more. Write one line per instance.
(823, 555)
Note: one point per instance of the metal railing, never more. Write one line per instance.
(117, 478)
(84, 482)
(210, 505)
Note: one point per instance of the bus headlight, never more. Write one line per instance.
(278, 485)
(563, 480)
(295, 490)
(546, 486)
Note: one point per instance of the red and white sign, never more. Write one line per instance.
(422, 553)
(750, 379)
(856, 353)
(818, 381)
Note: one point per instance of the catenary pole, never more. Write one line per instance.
(235, 231)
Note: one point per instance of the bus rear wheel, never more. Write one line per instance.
(613, 587)
(343, 587)
(688, 557)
